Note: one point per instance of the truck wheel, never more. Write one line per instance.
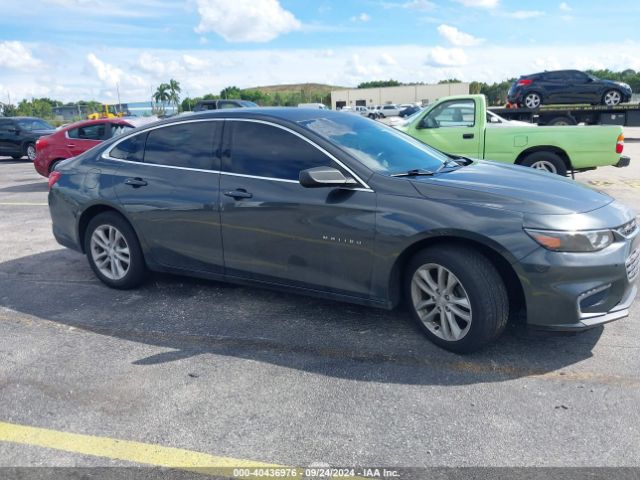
(457, 297)
(547, 161)
(611, 98)
(564, 120)
(114, 252)
(532, 100)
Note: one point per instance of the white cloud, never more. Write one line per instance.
(14, 55)
(523, 14)
(564, 7)
(193, 63)
(479, 3)
(458, 38)
(110, 75)
(245, 20)
(387, 59)
(363, 17)
(446, 57)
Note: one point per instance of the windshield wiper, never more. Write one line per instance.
(413, 173)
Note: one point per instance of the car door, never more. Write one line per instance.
(277, 231)
(584, 89)
(558, 87)
(80, 139)
(451, 127)
(168, 185)
(8, 138)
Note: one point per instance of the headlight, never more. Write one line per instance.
(580, 241)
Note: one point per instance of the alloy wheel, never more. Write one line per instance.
(110, 252)
(544, 165)
(31, 152)
(441, 302)
(612, 98)
(532, 100)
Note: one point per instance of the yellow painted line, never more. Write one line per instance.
(131, 451)
(28, 204)
(147, 453)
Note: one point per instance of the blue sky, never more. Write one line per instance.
(73, 49)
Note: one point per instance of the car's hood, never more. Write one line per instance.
(619, 84)
(512, 187)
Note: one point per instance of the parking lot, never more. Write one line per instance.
(238, 376)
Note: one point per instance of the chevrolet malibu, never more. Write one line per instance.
(343, 207)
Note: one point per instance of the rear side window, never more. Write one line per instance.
(131, 149)
(267, 151)
(186, 145)
(88, 132)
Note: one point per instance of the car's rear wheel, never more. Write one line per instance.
(560, 121)
(532, 100)
(53, 164)
(30, 151)
(546, 161)
(457, 297)
(611, 98)
(114, 252)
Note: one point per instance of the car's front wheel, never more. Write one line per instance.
(611, 98)
(114, 252)
(457, 297)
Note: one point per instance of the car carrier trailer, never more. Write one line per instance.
(627, 115)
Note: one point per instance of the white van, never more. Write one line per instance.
(320, 106)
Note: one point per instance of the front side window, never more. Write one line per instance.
(131, 149)
(186, 145)
(379, 147)
(456, 113)
(32, 124)
(119, 129)
(266, 151)
(88, 132)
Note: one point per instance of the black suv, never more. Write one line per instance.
(566, 86)
(18, 136)
(204, 105)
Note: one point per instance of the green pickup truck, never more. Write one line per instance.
(461, 125)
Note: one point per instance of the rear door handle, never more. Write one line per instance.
(239, 193)
(467, 135)
(135, 182)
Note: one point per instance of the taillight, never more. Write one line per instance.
(40, 144)
(53, 178)
(620, 143)
(524, 82)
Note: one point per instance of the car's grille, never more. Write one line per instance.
(628, 228)
(633, 264)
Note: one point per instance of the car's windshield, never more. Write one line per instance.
(381, 148)
(31, 124)
(247, 103)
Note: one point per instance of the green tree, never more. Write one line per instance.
(161, 96)
(380, 83)
(449, 80)
(230, 92)
(174, 92)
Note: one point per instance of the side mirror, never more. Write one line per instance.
(324, 177)
(428, 122)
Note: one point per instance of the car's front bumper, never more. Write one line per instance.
(623, 162)
(577, 291)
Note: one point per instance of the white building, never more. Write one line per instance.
(420, 94)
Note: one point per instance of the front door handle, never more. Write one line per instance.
(238, 194)
(467, 135)
(71, 145)
(135, 182)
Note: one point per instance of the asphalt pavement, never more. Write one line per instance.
(257, 376)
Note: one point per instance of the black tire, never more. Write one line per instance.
(551, 160)
(483, 286)
(136, 272)
(616, 101)
(30, 151)
(563, 120)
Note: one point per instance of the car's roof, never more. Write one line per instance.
(83, 123)
(23, 118)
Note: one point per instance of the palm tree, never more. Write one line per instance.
(162, 95)
(174, 92)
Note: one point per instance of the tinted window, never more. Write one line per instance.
(267, 151)
(578, 77)
(88, 132)
(131, 149)
(187, 145)
(555, 77)
(34, 124)
(223, 104)
(119, 129)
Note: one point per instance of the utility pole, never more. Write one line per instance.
(118, 91)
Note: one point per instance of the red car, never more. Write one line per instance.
(74, 139)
